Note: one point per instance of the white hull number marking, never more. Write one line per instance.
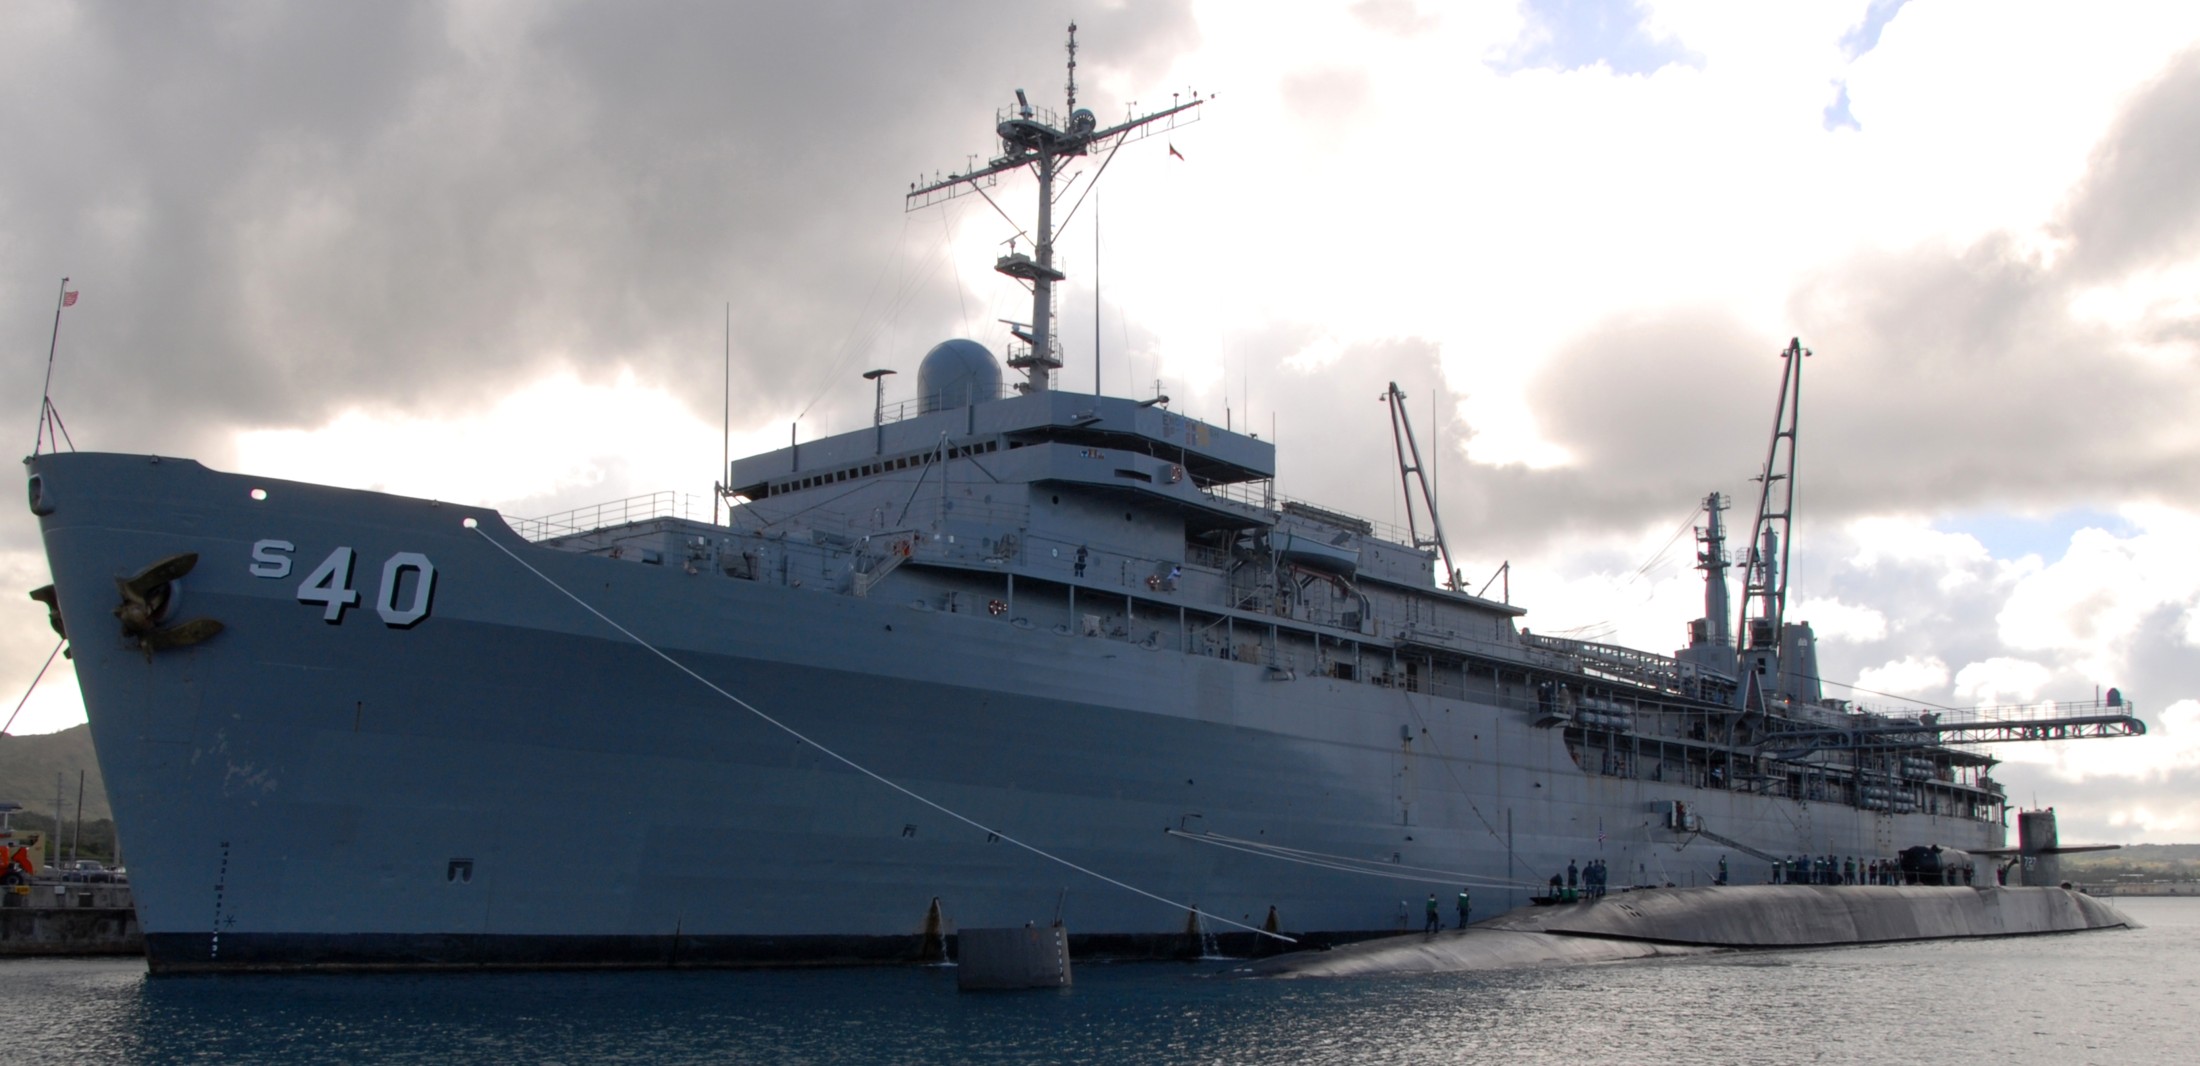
(423, 590)
(329, 585)
(271, 558)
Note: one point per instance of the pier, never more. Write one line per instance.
(68, 919)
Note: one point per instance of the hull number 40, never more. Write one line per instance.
(405, 596)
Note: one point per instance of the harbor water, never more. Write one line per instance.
(2121, 996)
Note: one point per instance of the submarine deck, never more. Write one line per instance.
(1691, 921)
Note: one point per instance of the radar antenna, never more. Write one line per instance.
(1042, 141)
(1410, 475)
(1765, 575)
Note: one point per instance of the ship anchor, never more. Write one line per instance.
(147, 597)
(45, 594)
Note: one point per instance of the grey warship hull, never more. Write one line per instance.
(471, 768)
(1003, 656)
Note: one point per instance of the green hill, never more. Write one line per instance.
(2151, 862)
(28, 765)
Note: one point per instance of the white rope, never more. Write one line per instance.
(1348, 864)
(851, 763)
(34, 686)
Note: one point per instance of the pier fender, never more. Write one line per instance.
(932, 946)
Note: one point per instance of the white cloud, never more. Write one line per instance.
(2169, 752)
(2001, 680)
(2088, 605)
(1911, 675)
(1834, 620)
(560, 442)
(1959, 558)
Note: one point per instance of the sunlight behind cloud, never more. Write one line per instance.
(2169, 750)
(1834, 620)
(2001, 680)
(1908, 676)
(560, 442)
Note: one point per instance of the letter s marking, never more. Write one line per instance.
(271, 558)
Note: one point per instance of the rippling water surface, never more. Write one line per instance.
(2112, 997)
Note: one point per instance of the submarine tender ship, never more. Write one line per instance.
(349, 729)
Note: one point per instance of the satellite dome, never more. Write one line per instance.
(957, 373)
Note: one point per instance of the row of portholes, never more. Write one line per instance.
(1127, 516)
(885, 467)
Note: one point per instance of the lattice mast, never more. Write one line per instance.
(1041, 141)
(1764, 595)
(1711, 558)
(1414, 480)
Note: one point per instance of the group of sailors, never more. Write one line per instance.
(1581, 882)
(1835, 870)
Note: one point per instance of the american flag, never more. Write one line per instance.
(68, 299)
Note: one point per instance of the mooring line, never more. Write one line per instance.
(1346, 863)
(851, 763)
(34, 684)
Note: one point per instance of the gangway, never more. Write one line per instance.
(2075, 720)
(1739, 846)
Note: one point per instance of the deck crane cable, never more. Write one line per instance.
(1449, 771)
(851, 763)
(1598, 630)
(864, 327)
(1346, 863)
(1687, 524)
(856, 322)
(1889, 695)
(962, 299)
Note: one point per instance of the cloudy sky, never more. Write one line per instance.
(486, 251)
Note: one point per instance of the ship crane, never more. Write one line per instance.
(1776, 659)
(1779, 660)
(1042, 141)
(1412, 476)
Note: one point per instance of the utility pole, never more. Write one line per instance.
(878, 408)
(49, 417)
(725, 428)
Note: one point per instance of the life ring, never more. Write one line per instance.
(901, 548)
(996, 607)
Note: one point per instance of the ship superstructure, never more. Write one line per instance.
(1086, 621)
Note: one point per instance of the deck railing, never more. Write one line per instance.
(667, 504)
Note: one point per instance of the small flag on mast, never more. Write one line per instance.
(1174, 152)
(68, 299)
